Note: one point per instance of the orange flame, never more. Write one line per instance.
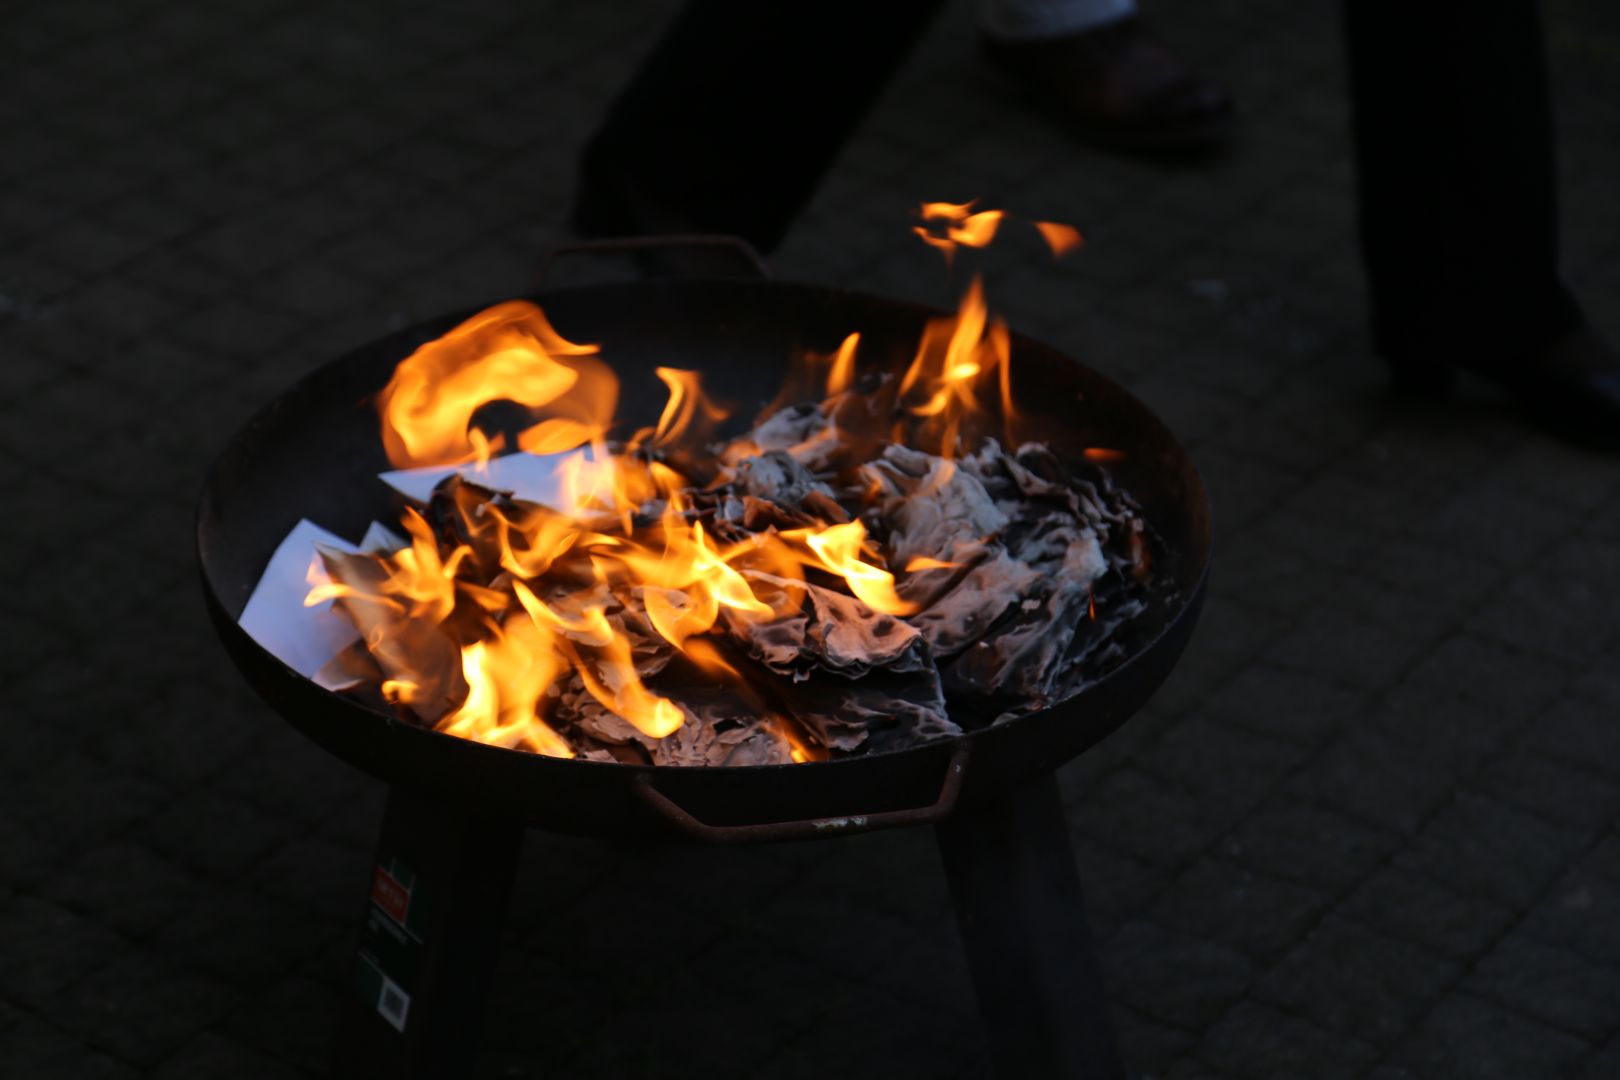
(1062, 239)
(506, 353)
(960, 224)
(842, 374)
(947, 225)
(323, 588)
(955, 356)
(687, 414)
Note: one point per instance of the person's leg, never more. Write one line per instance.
(1453, 141)
(741, 107)
(1459, 229)
(1096, 68)
(1032, 20)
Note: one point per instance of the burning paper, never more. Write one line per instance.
(539, 478)
(874, 555)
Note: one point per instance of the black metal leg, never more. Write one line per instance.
(428, 945)
(1017, 897)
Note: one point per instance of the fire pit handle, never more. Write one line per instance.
(950, 787)
(745, 256)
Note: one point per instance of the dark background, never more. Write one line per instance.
(1368, 828)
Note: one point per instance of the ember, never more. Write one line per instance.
(874, 562)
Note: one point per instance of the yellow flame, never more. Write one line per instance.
(420, 576)
(838, 549)
(507, 677)
(614, 683)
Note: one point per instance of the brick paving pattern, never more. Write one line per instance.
(1367, 829)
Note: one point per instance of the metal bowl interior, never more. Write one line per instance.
(314, 452)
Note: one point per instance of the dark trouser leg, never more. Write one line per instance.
(1018, 904)
(733, 119)
(1454, 151)
(429, 941)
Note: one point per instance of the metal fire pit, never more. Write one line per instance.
(457, 809)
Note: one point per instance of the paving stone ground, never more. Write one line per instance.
(1367, 829)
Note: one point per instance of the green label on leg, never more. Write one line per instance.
(391, 948)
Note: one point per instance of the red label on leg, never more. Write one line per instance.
(388, 894)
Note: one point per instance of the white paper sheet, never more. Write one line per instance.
(380, 540)
(303, 638)
(532, 477)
